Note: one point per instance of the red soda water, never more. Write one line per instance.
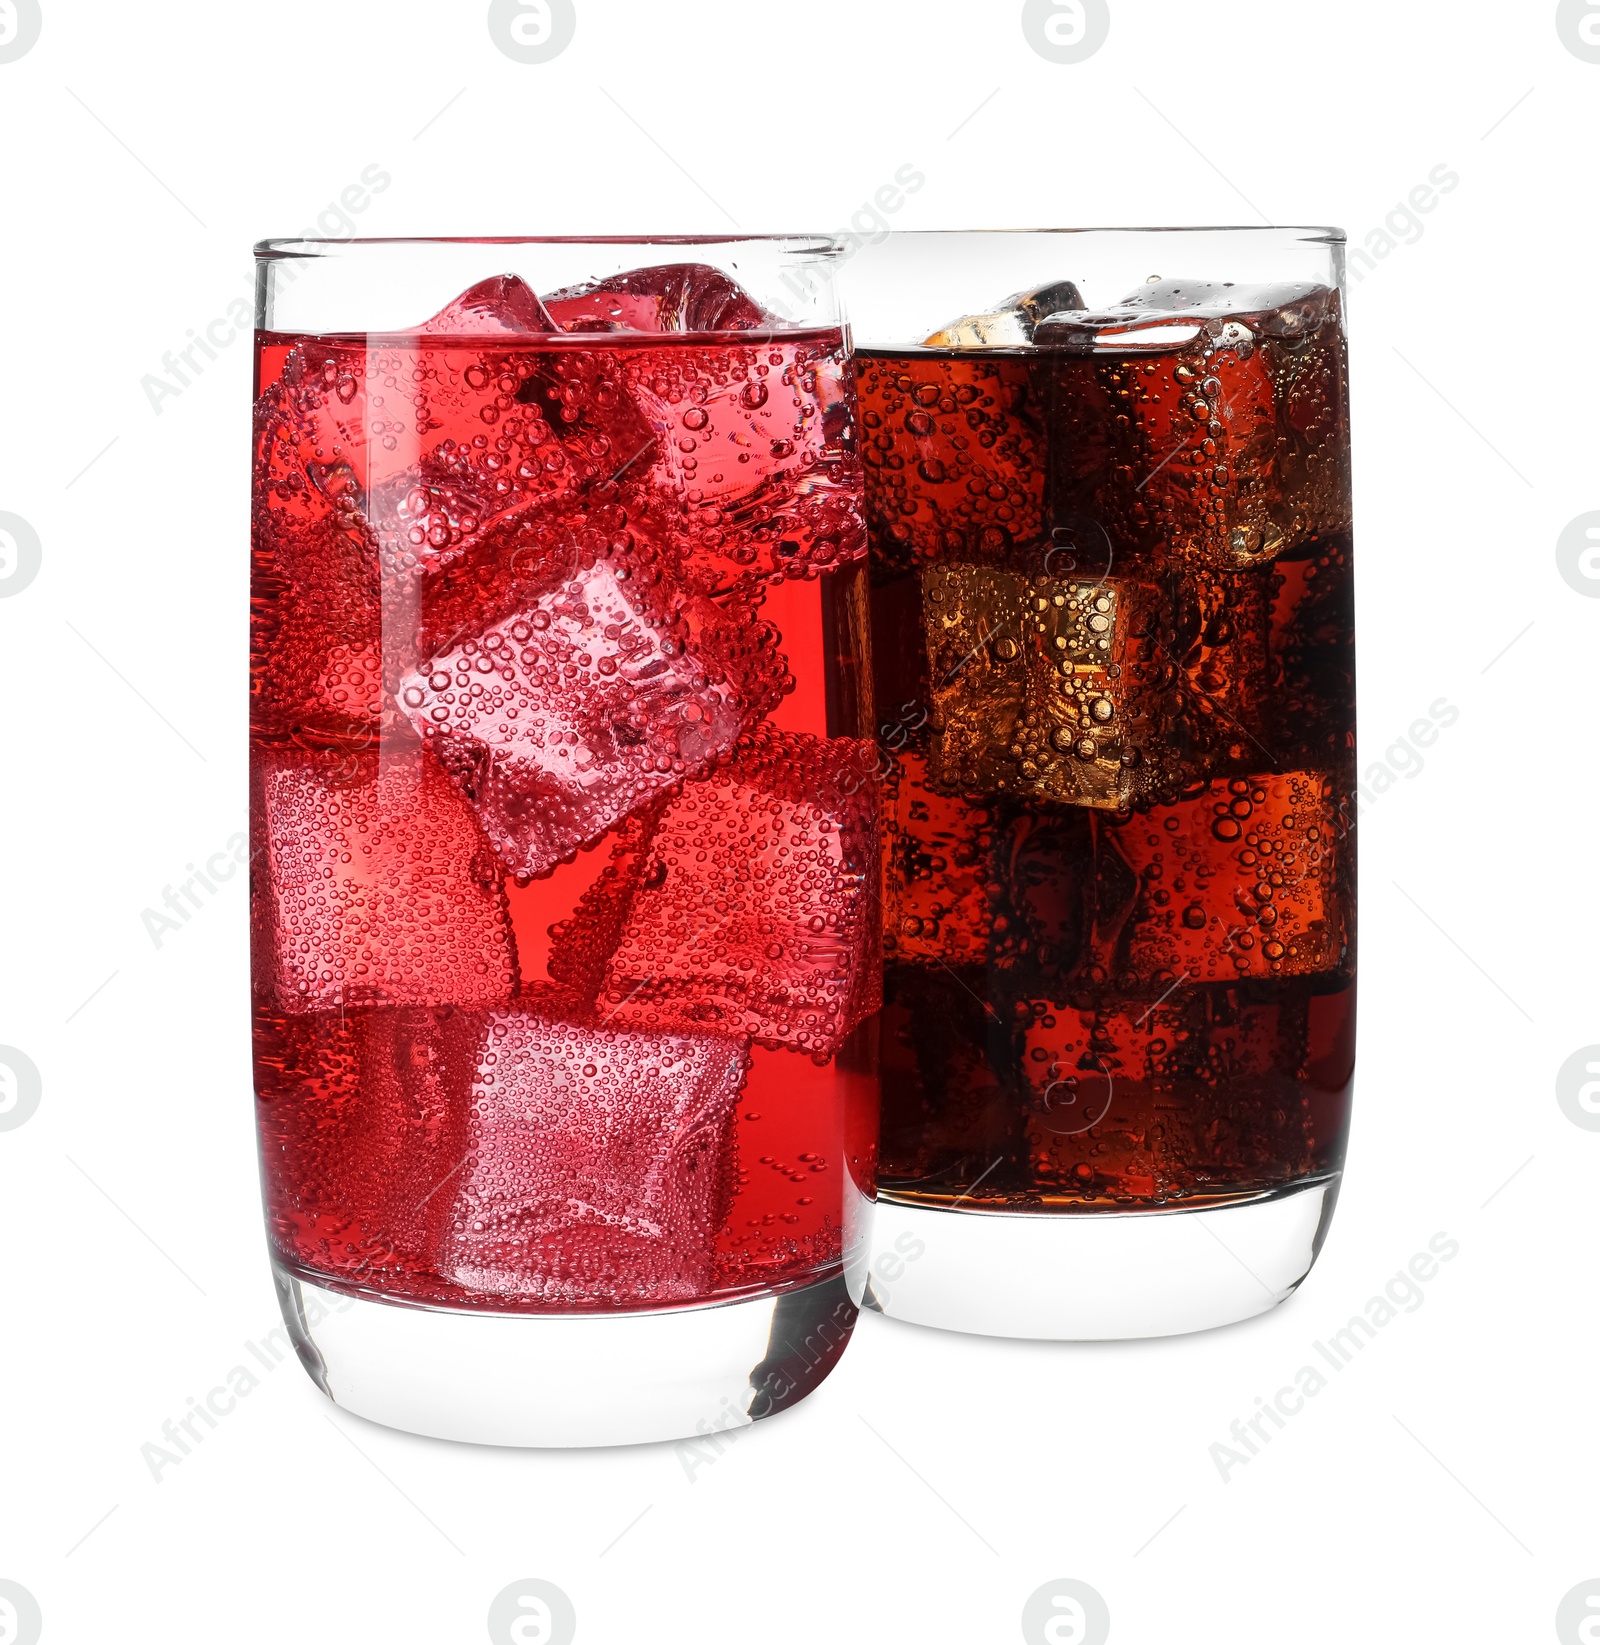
(564, 891)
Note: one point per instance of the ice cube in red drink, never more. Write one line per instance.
(315, 673)
(373, 889)
(501, 303)
(574, 714)
(673, 297)
(599, 1164)
(755, 456)
(757, 910)
(502, 433)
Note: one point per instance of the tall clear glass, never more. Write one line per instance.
(1108, 490)
(565, 857)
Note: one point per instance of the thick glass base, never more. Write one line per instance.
(1093, 1275)
(566, 1379)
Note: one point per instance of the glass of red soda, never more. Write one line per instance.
(565, 928)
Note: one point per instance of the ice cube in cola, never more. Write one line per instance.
(952, 442)
(936, 868)
(506, 652)
(1203, 420)
(1013, 323)
(1110, 573)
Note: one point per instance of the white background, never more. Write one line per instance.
(1442, 1486)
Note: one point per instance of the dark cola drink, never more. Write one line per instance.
(1113, 648)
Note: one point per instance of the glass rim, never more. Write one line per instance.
(283, 245)
(1311, 233)
(319, 245)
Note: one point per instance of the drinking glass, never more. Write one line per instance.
(1108, 491)
(564, 830)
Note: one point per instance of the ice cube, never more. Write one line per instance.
(373, 889)
(363, 1130)
(521, 559)
(575, 713)
(313, 450)
(1011, 325)
(757, 911)
(1141, 319)
(754, 457)
(1222, 633)
(978, 672)
(433, 441)
(734, 642)
(671, 297)
(501, 303)
(1244, 880)
(508, 434)
(601, 1163)
(936, 866)
(1151, 1103)
(1282, 310)
(1049, 688)
(1202, 421)
(954, 455)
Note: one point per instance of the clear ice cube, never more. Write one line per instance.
(757, 909)
(1011, 324)
(501, 303)
(373, 889)
(671, 297)
(572, 715)
(600, 1163)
